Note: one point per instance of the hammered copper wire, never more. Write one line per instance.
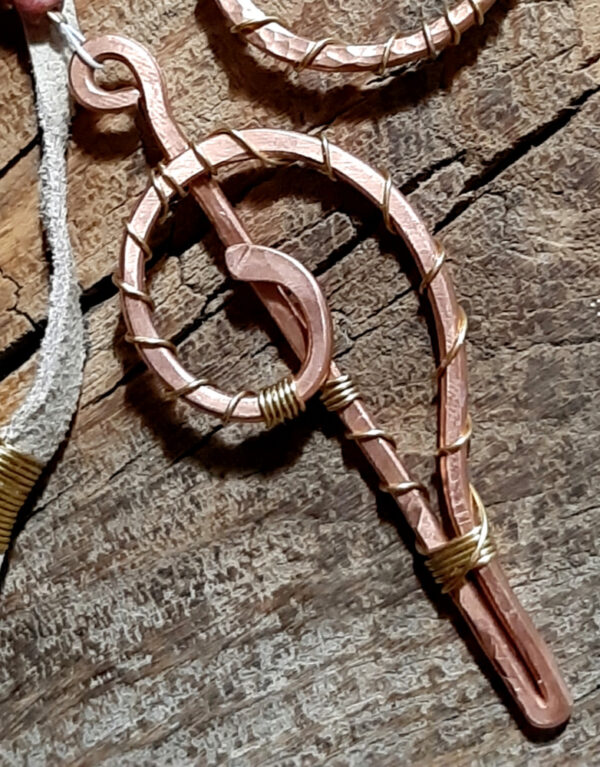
(485, 599)
(271, 35)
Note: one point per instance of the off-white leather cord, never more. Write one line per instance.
(41, 422)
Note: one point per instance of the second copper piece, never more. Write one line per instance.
(485, 599)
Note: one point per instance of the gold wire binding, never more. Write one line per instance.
(450, 565)
(432, 51)
(139, 241)
(456, 34)
(401, 488)
(233, 403)
(210, 168)
(326, 161)
(314, 48)
(173, 183)
(132, 291)
(363, 436)
(338, 393)
(188, 388)
(433, 272)
(385, 201)
(151, 343)
(461, 333)
(280, 401)
(387, 52)
(253, 25)
(464, 437)
(18, 475)
(479, 16)
(164, 202)
(248, 146)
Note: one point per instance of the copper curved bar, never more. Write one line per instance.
(489, 606)
(274, 38)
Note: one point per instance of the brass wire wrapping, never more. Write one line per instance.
(139, 241)
(172, 182)
(314, 48)
(463, 439)
(326, 161)
(252, 25)
(132, 291)
(18, 475)
(432, 51)
(401, 488)
(279, 402)
(210, 168)
(338, 393)
(477, 11)
(237, 136)
(233, 403)
(387, 51)
(151, 342)
(456, 34)
(364, 436)
(450, 565)
(384, 205)
(434, 271)
(461, 334)
(164, 202)
(188, 388)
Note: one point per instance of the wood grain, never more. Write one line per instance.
(186, 594)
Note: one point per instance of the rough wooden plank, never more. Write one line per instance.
(186, 594)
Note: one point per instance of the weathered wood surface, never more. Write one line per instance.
(184, 594)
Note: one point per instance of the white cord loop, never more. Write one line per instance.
(73, 38)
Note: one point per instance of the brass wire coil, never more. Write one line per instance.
(172, 182)
(188, 388)
(18, 475)
(338, 393)
(479, 16)
(364, 436)
(462, 440)
(326, 162)
(151, 342)
(233, 403)
(459, 339)
(435, 269)
(210, 168)
(450, 565)
(139, 241)
(164, 202)
(279, 402)
(387, 50)
(456, 33)
(237, 136)
(384, 205)
(400, 488)
(252, 25)
(431, 49)
(132, 291)
(315, 47)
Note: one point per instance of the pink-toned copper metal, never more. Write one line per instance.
(272, 36)
(497, 620)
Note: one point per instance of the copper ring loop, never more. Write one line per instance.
(398, 49)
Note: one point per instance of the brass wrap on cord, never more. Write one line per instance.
(18, 475)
